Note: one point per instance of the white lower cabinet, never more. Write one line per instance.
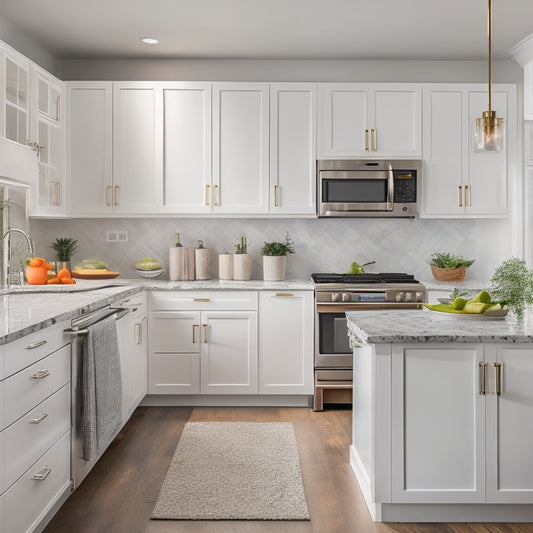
(461, 430)
(202, 350)
(286, 342)
(132, 338)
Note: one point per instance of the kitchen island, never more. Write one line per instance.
(442, 416)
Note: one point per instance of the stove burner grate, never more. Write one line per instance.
(381, 277)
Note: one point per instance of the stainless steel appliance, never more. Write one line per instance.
(334, 295)
(366, 188)
(80, 466)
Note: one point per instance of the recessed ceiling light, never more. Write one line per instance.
(149, 40)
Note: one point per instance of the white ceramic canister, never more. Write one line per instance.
(225, 266)
(242, 267)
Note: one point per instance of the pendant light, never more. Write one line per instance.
(489, 128)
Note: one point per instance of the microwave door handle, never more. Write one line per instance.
(390, 192)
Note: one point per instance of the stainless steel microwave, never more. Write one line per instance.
(368, 188)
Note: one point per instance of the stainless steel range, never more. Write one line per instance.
(334, 295)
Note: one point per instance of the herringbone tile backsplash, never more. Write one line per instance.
(322, 245)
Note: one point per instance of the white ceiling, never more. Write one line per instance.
(276, 29)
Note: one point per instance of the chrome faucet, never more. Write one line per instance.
(7, 264)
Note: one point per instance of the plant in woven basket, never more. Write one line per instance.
(512, 284)
(64, 247)
(449, 267)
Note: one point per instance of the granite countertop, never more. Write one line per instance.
(424, 326)
(448, 286)
(28, 308)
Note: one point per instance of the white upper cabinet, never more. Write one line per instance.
(47, 130)
(459, 182)
(369, 120)
(187, 186)
(90, 147)
(240, 147)
(15, 97)
(137, 148)
(292, 148)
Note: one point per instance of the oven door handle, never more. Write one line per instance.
(365, 306)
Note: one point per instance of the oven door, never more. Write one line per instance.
(332, 345)
(344, 192)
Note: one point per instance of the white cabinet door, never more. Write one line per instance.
(292, 148)
(459, 182)
(342, 120)
(369, 120)
(240, 147)
(90, 147)
(137, 147)
(229, 352)
(396, 116)
(286, 342)
(174, 358)
(509, 426)
(187, 148)
(47, 130)
(15, 95)
(438, 424)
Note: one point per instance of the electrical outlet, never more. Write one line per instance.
(117, 236)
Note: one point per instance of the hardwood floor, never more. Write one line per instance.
(120, 493)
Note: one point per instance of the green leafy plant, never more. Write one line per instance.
(242, 247)
(447, 260)
(512, 283)
(457, 293)
(64, 247)
(278, 248)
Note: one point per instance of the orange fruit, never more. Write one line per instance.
(63, 273)
(68, 281)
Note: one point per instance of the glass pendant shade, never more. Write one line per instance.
(489, 133)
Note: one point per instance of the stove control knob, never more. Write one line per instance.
(408, 297)
(419, 296)
(346, 297)
(335, 296)
(399, 296)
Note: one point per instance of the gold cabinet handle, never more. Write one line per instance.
(194, 326)
(58, 107)
(468, 195)
(216, 195)
(499, 378)
(284, 294)
(482, 377)
(138, 335)
(116, 198)
(276, 189)
(40, 374)
(36, 344)
(460, 196)
(372, 140)
(205, 329)
(107, 189)
(366, 140)
(201, 299)
(207, 187)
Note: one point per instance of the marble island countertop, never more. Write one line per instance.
(424, 326)
(28, 308)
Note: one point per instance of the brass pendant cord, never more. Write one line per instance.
(489, 25)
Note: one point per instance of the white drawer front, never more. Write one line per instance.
(31, 386)
(29, 349)
(203, 300)
(32, 435)
(28, 499)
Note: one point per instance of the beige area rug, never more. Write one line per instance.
(234, 471)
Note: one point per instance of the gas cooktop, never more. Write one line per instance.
(381, 277)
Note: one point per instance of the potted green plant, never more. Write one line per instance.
(448, 267)
(512, 284)
(242, 261)
(64, 247)
(275, 258)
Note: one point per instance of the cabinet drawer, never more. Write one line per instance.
(203, 300)
(29, 437)
(29, 349)
(29, 387)
(28, 499)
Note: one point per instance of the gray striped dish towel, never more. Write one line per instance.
(101, 388)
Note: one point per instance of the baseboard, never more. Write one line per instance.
(363, 480)
(225, 400)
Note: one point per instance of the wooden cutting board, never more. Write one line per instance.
(101, 273)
